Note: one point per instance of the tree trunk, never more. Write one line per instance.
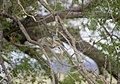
(83, 46)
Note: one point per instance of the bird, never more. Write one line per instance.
(57, 41)
(54, 37)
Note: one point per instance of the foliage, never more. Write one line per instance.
(73, 79)
(102, 17)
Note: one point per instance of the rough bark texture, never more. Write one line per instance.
(39, 32)
(83, 46)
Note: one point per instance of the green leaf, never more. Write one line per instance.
(93, 24)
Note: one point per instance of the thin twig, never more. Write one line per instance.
(1, 58)
(50, 64)
(110, 11)
(36, 43)
(19, 3)
(7, 76)
(83, 70)
(47, 7)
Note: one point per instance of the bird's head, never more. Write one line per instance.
(54, 36)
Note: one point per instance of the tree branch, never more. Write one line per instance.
(37, 43)
(1, 58)
(74, 13)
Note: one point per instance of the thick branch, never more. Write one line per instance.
(28, 22)
(96, 55)
(1, 58)
(85, 47)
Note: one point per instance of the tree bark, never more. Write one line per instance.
(1, 58)
(83, 46)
